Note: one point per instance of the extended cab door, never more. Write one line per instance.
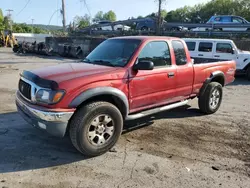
(205, 50)
(153, 87)
(185, 71)
(200, 51)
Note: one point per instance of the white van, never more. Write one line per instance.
(211, 50)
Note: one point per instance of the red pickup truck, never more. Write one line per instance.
(124, 78)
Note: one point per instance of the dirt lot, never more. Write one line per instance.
(178, 148)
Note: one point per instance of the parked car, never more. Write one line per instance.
(225, 19)
(210, 50)
(124, 78)
(109, 27)
(149, 23)
(146, 24)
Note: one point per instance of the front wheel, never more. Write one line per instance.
(210, 100)
(95, 128)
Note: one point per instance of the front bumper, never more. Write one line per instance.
(53, 121)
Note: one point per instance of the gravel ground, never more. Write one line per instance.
(177, 148)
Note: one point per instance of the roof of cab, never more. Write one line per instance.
(204, 39)
(145, 37)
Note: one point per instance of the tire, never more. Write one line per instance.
(173, 29)
(79, 53)
(15, 49)
(86, 123)
(144, 28)
(205, 104)
(248, 73)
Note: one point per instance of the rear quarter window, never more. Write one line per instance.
(180, 53)
(205, 47)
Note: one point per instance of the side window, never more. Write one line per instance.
(237, 20)
(157, 52)
(217, 19)
(180, 53)
(224, 48)
(205, 47)
(191, 46)
(226, 19)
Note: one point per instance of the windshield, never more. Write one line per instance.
(113, 52)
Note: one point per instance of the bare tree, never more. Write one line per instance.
(63, 14)
(159, 21)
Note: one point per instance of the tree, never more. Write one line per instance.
(17, 28)
(163, 13)
(82, 21)
(110, 15)
(1, 20)
(98, 17)
(38, 30)
(201, 13)
(139, 17)
(7, 23)
(1, 15)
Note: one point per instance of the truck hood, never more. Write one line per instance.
(245, 53)
(68, 71)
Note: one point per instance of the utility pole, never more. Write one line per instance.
(9, 12)
(159, 17)
(63, 14)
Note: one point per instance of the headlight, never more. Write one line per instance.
(49, 96)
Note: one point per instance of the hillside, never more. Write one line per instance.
(48, 27)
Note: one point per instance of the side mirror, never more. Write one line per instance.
(233, 51)
(144, 65)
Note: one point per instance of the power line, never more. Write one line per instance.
(86, 5)
(53, 15)
(23, 7)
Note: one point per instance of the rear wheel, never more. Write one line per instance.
(95, 128)
(144, 28)
(248, 73)
(210, 100)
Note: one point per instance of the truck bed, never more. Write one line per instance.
(202, 71)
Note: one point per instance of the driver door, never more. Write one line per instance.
(153, 87)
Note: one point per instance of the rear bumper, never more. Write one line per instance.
(55, 123)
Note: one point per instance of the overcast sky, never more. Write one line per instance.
(42, 10)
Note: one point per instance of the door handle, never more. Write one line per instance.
(216, 56)
(171, 74)
(200, 54)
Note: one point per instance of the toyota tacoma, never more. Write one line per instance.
(123, 78)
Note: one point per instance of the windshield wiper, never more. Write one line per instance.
(86, 60)
(101, 62)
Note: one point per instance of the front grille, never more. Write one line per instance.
(25, 89)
